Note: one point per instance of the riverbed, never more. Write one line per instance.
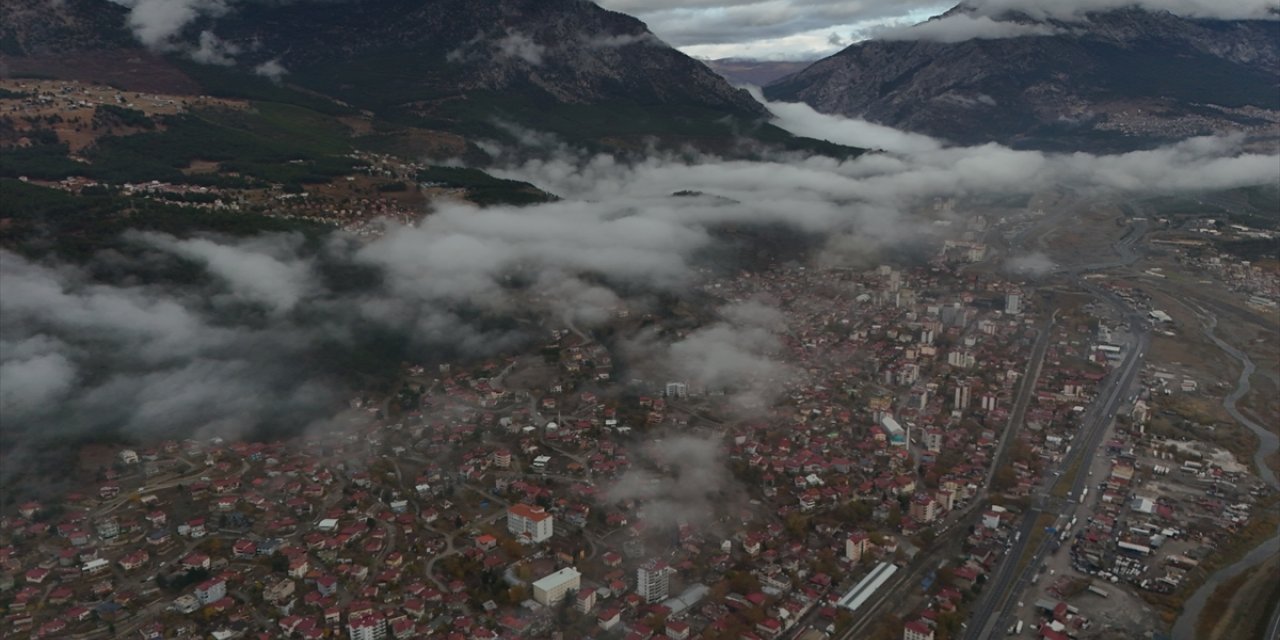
(1184, 628)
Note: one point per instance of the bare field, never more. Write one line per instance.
(1189, 347)
(1262, 403)
(71, 108)
(1090, 235)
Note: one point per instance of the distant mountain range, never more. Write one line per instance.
(565, 66)
(741, 71)
(1111, 81)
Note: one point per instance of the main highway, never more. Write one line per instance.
(890, 594)
(995, 604)
(990, 612)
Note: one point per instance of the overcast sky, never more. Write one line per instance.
(759, 29)
(811, 29)
(771, 29)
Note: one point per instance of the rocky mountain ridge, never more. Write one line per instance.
(1111, 81)
(544, 63)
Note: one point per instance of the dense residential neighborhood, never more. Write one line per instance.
(512, 497)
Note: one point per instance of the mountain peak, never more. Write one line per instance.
(448, 62)
(1107, 80)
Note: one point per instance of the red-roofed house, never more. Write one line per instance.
(608, 618)
(856, 545)
(917, 630)
(677, 630)
(530, 523)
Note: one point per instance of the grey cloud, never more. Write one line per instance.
(736, 21)
(724, 355)
(576, 301)
(754, 313)
(929, 168)
(154, 327)
(961, 27)
(801, 119)
(623, 40)
(472, 249)
(738, 355)
(1034, 264)
(688, 482)
(80, 357)
(35, 373)
(510, 45)
(271, 69)
(180, 359)
(267, 270)
(521, 46)
(158, 23)
(210, 49)
(701, 22)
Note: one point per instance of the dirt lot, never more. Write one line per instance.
(1191, 353)
(1089, 237)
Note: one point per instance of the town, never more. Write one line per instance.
(916, 432)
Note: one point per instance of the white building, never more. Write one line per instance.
(988, 402)
(961, 359)
(108, 529)
(185, 604)
(211, 590)
(653, 581)
(95, 566)
(553, 588)
(933, 440)
(369, 627)
(1013, 304)
(917, 630)
(529, 523)
(894, 431)
(540, 463)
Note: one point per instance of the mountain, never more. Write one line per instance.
(756, 72)
(310, 115)
(1114, 80)
(565, 66)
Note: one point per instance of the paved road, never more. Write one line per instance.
(907, 578)
(991, 612)
(451, 546)
(997, 597)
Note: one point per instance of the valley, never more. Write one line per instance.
(509, 319)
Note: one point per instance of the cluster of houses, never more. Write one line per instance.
(478, 508)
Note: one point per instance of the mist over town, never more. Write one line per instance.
(504, 319)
